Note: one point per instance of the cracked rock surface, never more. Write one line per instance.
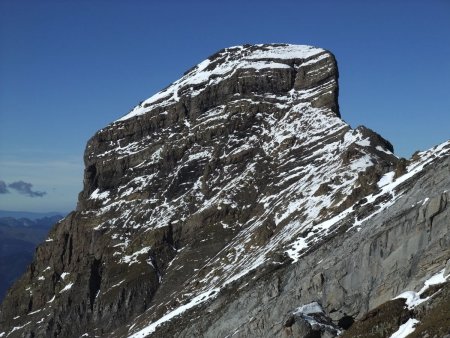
(237, 203)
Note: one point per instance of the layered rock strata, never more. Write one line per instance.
(237, 202)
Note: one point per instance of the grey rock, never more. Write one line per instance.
(231, 198)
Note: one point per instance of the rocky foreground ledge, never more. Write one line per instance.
(236, 202)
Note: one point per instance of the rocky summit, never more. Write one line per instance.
(237, 203)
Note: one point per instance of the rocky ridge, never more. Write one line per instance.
(237, 202)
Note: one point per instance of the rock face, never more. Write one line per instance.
(236, 202)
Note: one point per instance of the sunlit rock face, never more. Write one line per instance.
(236, 201)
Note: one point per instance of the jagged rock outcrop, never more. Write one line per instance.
(236, 202)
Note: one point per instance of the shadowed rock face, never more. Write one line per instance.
(234, 197)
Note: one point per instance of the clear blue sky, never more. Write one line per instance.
(68, 68)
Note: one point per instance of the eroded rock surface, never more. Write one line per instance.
(236, 202)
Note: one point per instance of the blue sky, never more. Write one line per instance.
(68, 68)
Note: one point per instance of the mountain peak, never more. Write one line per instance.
(283, 66)
(236, 201)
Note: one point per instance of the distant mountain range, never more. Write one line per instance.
(20, 233)
(29, 215)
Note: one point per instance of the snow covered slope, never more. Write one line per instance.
(240, 168)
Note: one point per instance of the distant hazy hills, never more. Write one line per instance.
(20, 233)
(29, 215)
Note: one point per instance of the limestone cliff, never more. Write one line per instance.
(236, 202)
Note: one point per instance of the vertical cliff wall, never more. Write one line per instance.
(224, 202)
